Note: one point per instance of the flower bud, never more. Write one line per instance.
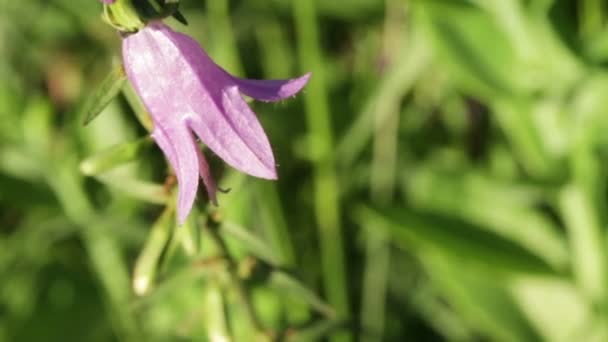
(122, 15)
(133, 15)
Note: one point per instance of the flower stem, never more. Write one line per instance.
(326, 187)
(213, 226)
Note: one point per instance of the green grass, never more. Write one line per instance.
(442, 177)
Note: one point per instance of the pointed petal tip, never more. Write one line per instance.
(181, 219)
(264, 173)
(185, 201)
(179, 148)
(272, 90)
(296, 85)
(306, 76)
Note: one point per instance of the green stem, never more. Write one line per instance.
(327, 208)
(213, 225)
(591, 17)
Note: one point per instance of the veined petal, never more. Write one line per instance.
(205, 173)
(181, 150)
(179, 84)
(235, 134)
(271, 90)
(220, 116)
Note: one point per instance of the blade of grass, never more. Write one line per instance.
(275, 225)
(375, 280)
(284, 282)
(327, 207)
(147, 264)
(110, 87)
(251, 243)
(591, 17)
(113, 157)
(223, 39)
(398, 80)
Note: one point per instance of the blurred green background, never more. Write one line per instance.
(442, 177)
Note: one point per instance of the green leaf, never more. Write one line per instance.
(113, 157)
(284, 282)
(252, 243)
(461, 35)
(147, 263)
(472, 196)
(455, 239)
(216, 313)
(274, 223)
(143, 190)
(138, 107)
(587, 238)
(546, 300)
(375, 284)
(110, 87)
(315, 332)
(413, 61)
(483, 302)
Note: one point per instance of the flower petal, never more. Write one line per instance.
(233, 132)
(179, 147)
(218, 113)
(271, 90)
(205, 173)
(183, 89)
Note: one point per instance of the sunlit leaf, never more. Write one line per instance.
(147, 264)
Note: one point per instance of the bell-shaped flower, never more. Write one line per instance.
(189, 96)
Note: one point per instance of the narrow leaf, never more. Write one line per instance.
(316, 332)
(252, 243)
(143, 190)
(180, 17)
(456, 239)
(110, 87)
(148, 261)
(284, 282)
(113, 157)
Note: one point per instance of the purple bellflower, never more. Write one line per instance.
(188, 96)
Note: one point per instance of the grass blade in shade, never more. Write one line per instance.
(275, 225)
(375, 279)
(327, 207)
(417, 232)
(224, 47)
(414, 60)
(284, 282)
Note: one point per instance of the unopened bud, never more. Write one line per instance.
(131, 15)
